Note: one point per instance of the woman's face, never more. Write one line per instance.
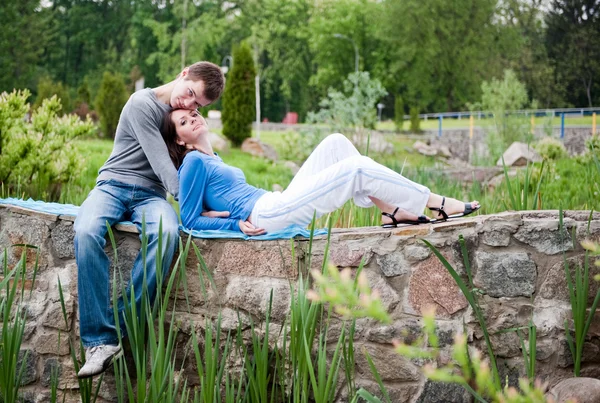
(190, 126)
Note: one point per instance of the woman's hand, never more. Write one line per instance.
(249, 229)
(215, 214)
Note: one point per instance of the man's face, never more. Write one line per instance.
(188, 94)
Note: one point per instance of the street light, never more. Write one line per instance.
(341, 36)
(224, 67)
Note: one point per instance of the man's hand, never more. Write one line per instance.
(215, 214)
(249, 229)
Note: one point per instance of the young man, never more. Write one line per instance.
(132, 185)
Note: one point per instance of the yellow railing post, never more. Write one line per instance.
(471, 127)
(532, 124)
(593, 123)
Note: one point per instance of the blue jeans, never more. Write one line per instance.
(113, 201)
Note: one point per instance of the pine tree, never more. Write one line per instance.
(111, 97)
(239, 102)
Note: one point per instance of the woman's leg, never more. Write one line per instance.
(334, 148)
(355, 177)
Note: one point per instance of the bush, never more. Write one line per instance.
(501, 97)
(415, 120)
(551, 148)
(239, 102)
(399, 113)
(110, 100)
(37, 156)
(47, 89)
(352, 108)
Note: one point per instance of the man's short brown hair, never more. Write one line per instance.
(211, 75)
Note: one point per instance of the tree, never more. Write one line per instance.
(47, 89)
(109, 102)
(399, 113)
(573, 42)
(239, 103)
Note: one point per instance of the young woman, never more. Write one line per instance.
(334, 173)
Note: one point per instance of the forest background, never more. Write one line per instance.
(431, 54)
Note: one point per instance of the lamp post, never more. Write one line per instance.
(224, 67)
(341, 36)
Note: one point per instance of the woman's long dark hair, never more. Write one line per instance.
(169, 133)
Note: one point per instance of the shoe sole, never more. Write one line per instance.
(105, 365)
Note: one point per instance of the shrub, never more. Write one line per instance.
(551, 148)
(352, 108)
(500, 98)
(399, 113)
(111, 98)
(37, 155)
(239, 102)
(415, 121)
(47, 89)
(83, 94)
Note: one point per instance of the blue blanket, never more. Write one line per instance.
(70, 209)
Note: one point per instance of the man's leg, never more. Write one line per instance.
(105, 204)
(154, 210)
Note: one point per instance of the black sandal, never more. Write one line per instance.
(445, 217)
(420, 220)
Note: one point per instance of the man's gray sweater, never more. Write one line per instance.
(139, 155)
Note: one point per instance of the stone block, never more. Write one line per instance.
(252, 295)
(29, 357)
(503, 274)
(581, 390)
(388, 296)
(398, 392)
(550, 320)
(257, 259)
(25, 230)
(506, 345)
(497, 231)
(416, 252)
(390, 365)
(63, 236)
(441, 392)
(555, 284)
(432, 285)
(50, 365)
(544, 236)
(393, 264)
(351, 253)
(51, 343)
(406, 330)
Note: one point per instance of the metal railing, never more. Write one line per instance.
(526, 112)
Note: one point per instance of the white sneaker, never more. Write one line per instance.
(98, 359)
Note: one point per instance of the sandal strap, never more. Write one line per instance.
(392, 216)
(441, 209)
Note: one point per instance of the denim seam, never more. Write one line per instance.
(311, 196)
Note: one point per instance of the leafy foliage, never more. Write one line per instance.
(111, 98)
(352, 108)
(47, 89)
(239, 102)
(38, 153)
(399, 113)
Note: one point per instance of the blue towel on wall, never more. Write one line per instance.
(70, 209)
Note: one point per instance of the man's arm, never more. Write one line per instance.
(145, 127)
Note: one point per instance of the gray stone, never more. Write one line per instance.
(416, 253)
(29, 372)
(441, 392)
(550, 320)
(555, 284)
(257, 148)
(393, 264)
(581, 390)
(506, 345)
(52, 343)
(252, 295)
(519, 154)
(390, 365)
(545, 237)
(218, 142)
(497, 230)
(63, 236)
(388, 296)
(405, 330)
(503, 274)
(590, 353)
(50, 365)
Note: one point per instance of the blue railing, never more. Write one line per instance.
(526, 112)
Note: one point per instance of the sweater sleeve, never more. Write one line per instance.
(145, 126)
(194, 175)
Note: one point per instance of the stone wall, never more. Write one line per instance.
(517, 260)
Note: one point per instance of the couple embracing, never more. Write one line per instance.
(162, 145)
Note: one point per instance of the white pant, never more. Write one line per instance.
(334, 173)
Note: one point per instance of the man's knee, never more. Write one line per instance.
(337, 138)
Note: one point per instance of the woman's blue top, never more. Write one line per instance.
(207, 183)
